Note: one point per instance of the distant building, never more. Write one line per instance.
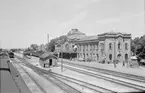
(68, 49)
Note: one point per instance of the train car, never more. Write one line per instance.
(11, 55)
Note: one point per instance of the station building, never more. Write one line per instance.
(106, 46)
(68, 49)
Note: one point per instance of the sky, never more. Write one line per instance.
(26, 22)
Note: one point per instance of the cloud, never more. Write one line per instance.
(120, 18)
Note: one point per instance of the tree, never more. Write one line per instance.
(34, 46)
(138, 47)
(61, 40)
(51, 45)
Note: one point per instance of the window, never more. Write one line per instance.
(87, 48)
(126, 56)
(119, 45)
(110, 46)
(87, 55)
(90, 47)
(96, 48)
(67, 46)
(126, 46)
(110, 56)
(102, 46)
(97, 56)
(93, 47)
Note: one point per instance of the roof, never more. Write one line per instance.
(75, 31)
(87, 38)
(46, 56)
(75, 34)
(114, 33)
(37, 54)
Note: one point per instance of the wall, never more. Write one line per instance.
(115, 51)
(107, 50)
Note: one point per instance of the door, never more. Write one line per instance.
(50, 62)
(126, 57)
(119, 57)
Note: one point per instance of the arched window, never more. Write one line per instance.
(126, 56)
(87, 55)
(67, 46)
(110, 56)
(119, 45)
(96, 47)
(126, 46)
(110, 46)
(97, 56)
(102, 46)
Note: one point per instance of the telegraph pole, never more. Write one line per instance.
(61, 59)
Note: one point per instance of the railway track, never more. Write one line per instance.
(93, 87)
(123, 83)
(109, 72)
(51, 76)
(130, 85)
(53, 79)
(41, 88)
(66, 88)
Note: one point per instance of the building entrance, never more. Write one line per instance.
(119, 57)
(50, 62)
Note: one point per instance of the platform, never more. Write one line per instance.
(10, 80)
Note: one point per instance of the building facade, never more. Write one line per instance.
(68, 49)
(107, 46)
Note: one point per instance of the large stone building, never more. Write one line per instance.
(107, 46)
